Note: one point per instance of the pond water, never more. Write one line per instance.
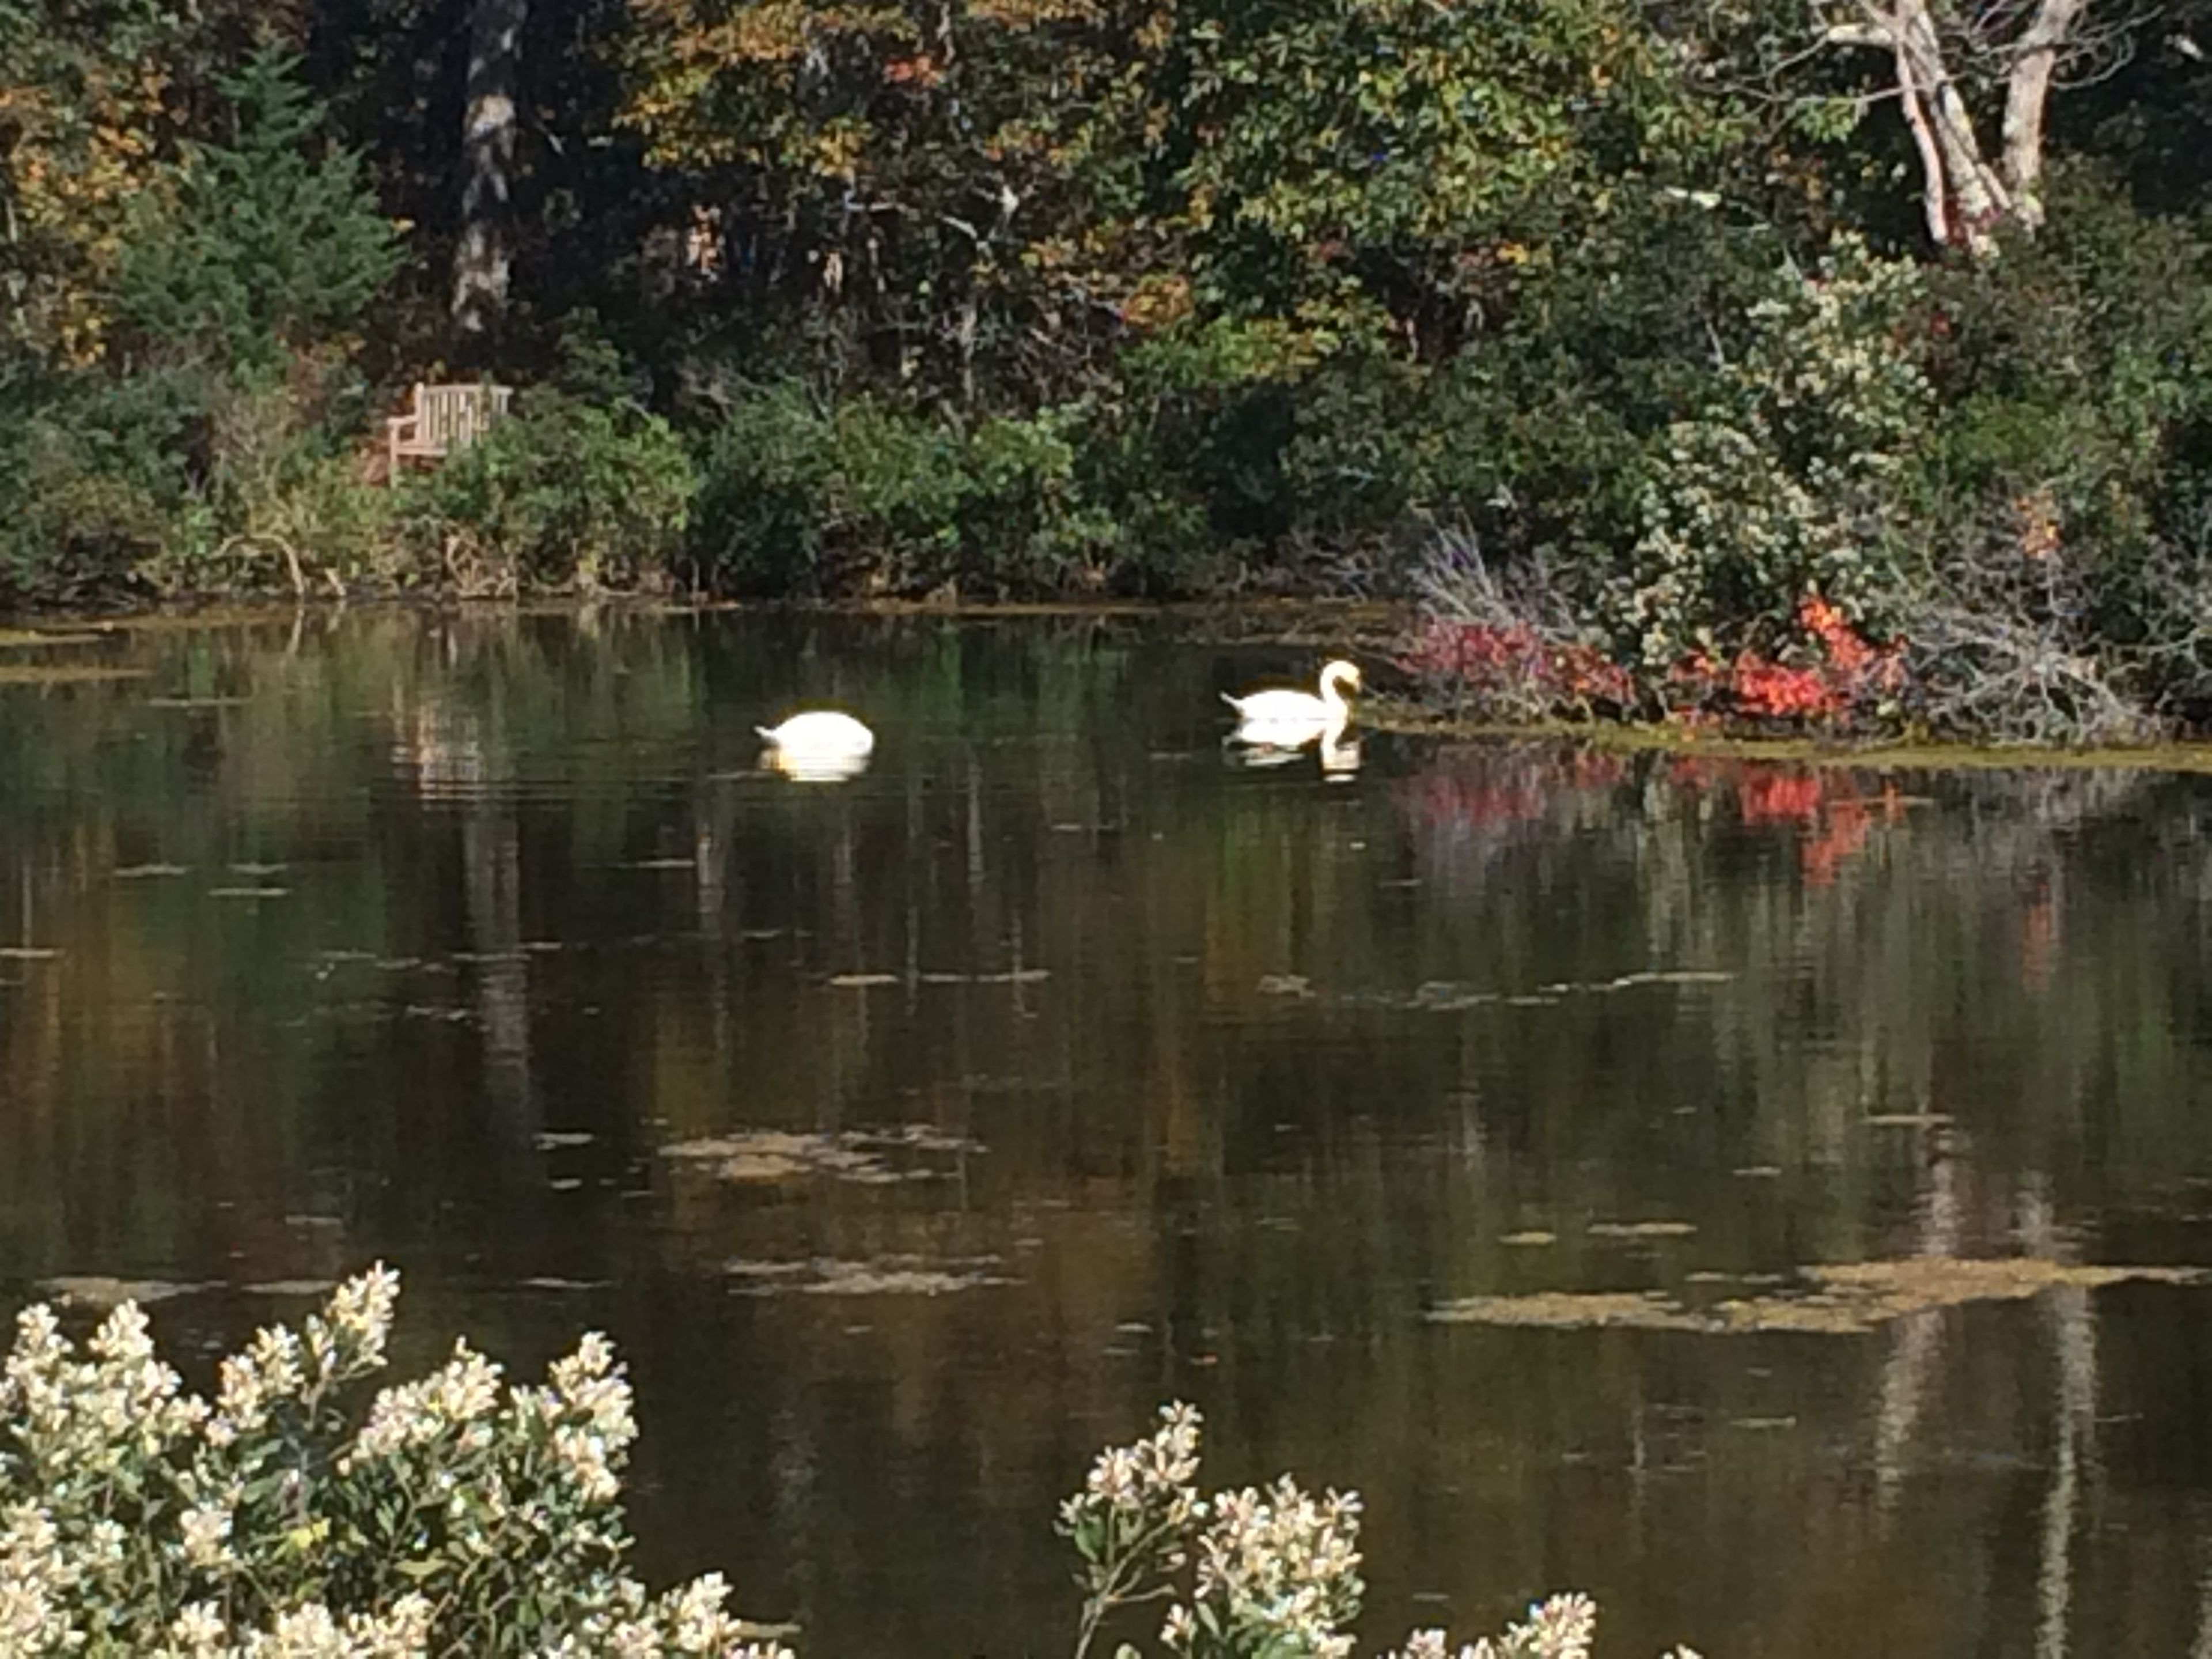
(917, 1135)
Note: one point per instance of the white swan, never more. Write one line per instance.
(819, 745)
(1292, 719)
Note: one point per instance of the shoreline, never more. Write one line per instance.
(1362, 624)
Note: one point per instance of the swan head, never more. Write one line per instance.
(1341, 674)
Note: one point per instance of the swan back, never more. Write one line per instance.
(823, 731)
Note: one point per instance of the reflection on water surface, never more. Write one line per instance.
(916, 1136)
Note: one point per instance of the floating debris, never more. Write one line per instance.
(870, 1157)
(65, 673)
(249, 892)
(1534, 1238)
(1758, 1172)
(291, 1287)
(548, 1282)
(1011, 976)
(26, 953)
(1628, 981)
(887, 1275)
(1907, 1120)
(1641, 1229)
(1648, 1310)
(1443, 996)
(99, 1291)
(148, 871)
(1846, 1299)
(1285, 985)
(33, 639)
(547, 1140)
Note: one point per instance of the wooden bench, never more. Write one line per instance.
(444, 418)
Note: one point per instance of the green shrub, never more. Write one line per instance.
(869, 496)
(1785, 480)
(98, 481)
(210, 452)
(245, 251)
(567, 493)
(286, 1517)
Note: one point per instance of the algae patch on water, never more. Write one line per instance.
(103, 1291)
(887, 1275)
(876, 1157)
(1844, 1298)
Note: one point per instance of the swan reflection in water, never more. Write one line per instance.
(1337, 754)
(800, 767)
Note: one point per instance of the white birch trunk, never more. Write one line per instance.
(1966, 197)
(2027, 94)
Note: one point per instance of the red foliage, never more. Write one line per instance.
(1848, 674)
(1768, 797)
(1515, 665)
(1513, 788)
(1833, 675)
(1831, 808)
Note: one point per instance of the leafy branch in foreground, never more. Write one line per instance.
(456, 1516)
(460, 1515)
(1259, 1573)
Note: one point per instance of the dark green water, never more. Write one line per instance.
(1113, 1075)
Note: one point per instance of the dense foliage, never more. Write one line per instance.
(286, 1518)
(1630, 336)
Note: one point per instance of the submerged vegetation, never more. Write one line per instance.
(286, 1519)
(1768, 364)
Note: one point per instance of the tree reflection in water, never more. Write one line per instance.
(1178, 1081)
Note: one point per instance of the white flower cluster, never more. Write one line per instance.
(310, 1631)
(1280, 1565)
(1277, 1570)
(1153, 1474)
(587, 1409)
(136, 1518)
(1562, 1627)
(453, 1400)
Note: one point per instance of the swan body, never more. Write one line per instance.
(818, 745)
(1292, 719)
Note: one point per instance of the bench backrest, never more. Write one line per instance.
(450, 416)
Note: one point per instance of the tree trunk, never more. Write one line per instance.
(2027, 91)
(1966, 198)
(485, 254)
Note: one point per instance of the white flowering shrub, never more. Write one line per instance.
(1789, 478)
(457, 1515)
(1268, 1573)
